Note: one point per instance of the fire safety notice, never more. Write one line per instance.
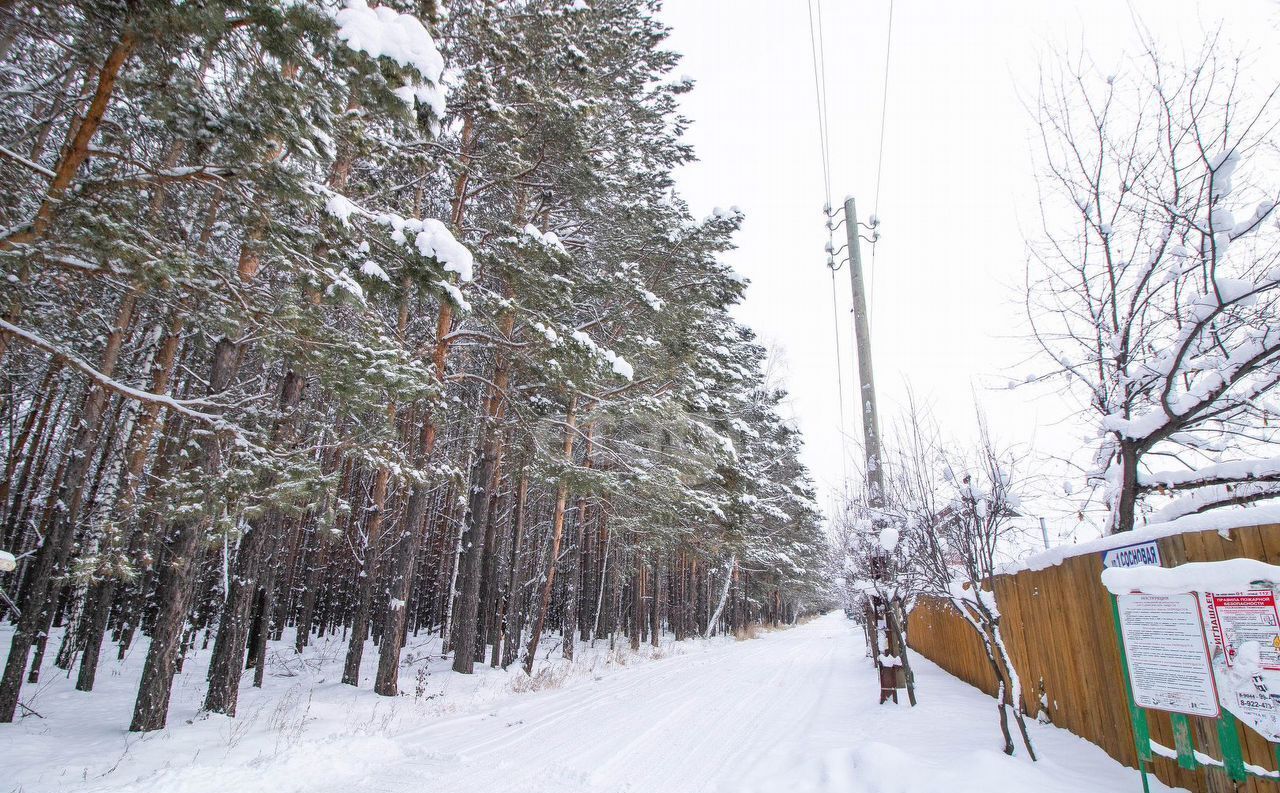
(1235, 618)
(1242, 629)
(1165, 648)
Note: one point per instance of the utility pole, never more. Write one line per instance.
(895, 675)
(866, 382)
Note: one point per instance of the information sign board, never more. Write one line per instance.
(1166, 653)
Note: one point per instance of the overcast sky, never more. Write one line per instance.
(957, 191)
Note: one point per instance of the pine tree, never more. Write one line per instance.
(293, 339)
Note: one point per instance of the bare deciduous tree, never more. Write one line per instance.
(1153, 287)
(960, 511)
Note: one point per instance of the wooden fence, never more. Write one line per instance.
(1058, 627)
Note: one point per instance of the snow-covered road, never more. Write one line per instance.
(694, 722)
(793, 711)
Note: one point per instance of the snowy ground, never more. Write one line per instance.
(792, 711)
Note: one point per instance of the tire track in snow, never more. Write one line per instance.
(733, 728)
(551, 707)
(688, 723)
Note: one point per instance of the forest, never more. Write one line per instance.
(367, 321)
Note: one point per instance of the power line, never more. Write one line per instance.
(826, 115)
(817, 52)
(835, 325)
(884, 106)
(818, 56)
(875, 204)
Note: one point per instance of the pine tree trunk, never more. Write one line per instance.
(464, 626)
(490, 591)
(655, 603)
(366, 581)
(557, 533)
(173, 593)
(253, 557)
(175, 437)
(516, 599)
(573, 591)
(502, 594)
(315, 562)
(97, 612)
(465, 630)
(453, 555)
(637, 605)
(51, 408)
(104, 592)
(57, 546)
(602, 570)
(387, 683)
(387, 680)
(258, 649)
(38, 411)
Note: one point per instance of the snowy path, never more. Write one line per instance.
(684, 723)
(793, 711)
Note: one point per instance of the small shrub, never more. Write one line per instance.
(749, 631)
(544, 679)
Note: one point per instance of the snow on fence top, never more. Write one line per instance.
(1220, 521)
(1230, 575)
